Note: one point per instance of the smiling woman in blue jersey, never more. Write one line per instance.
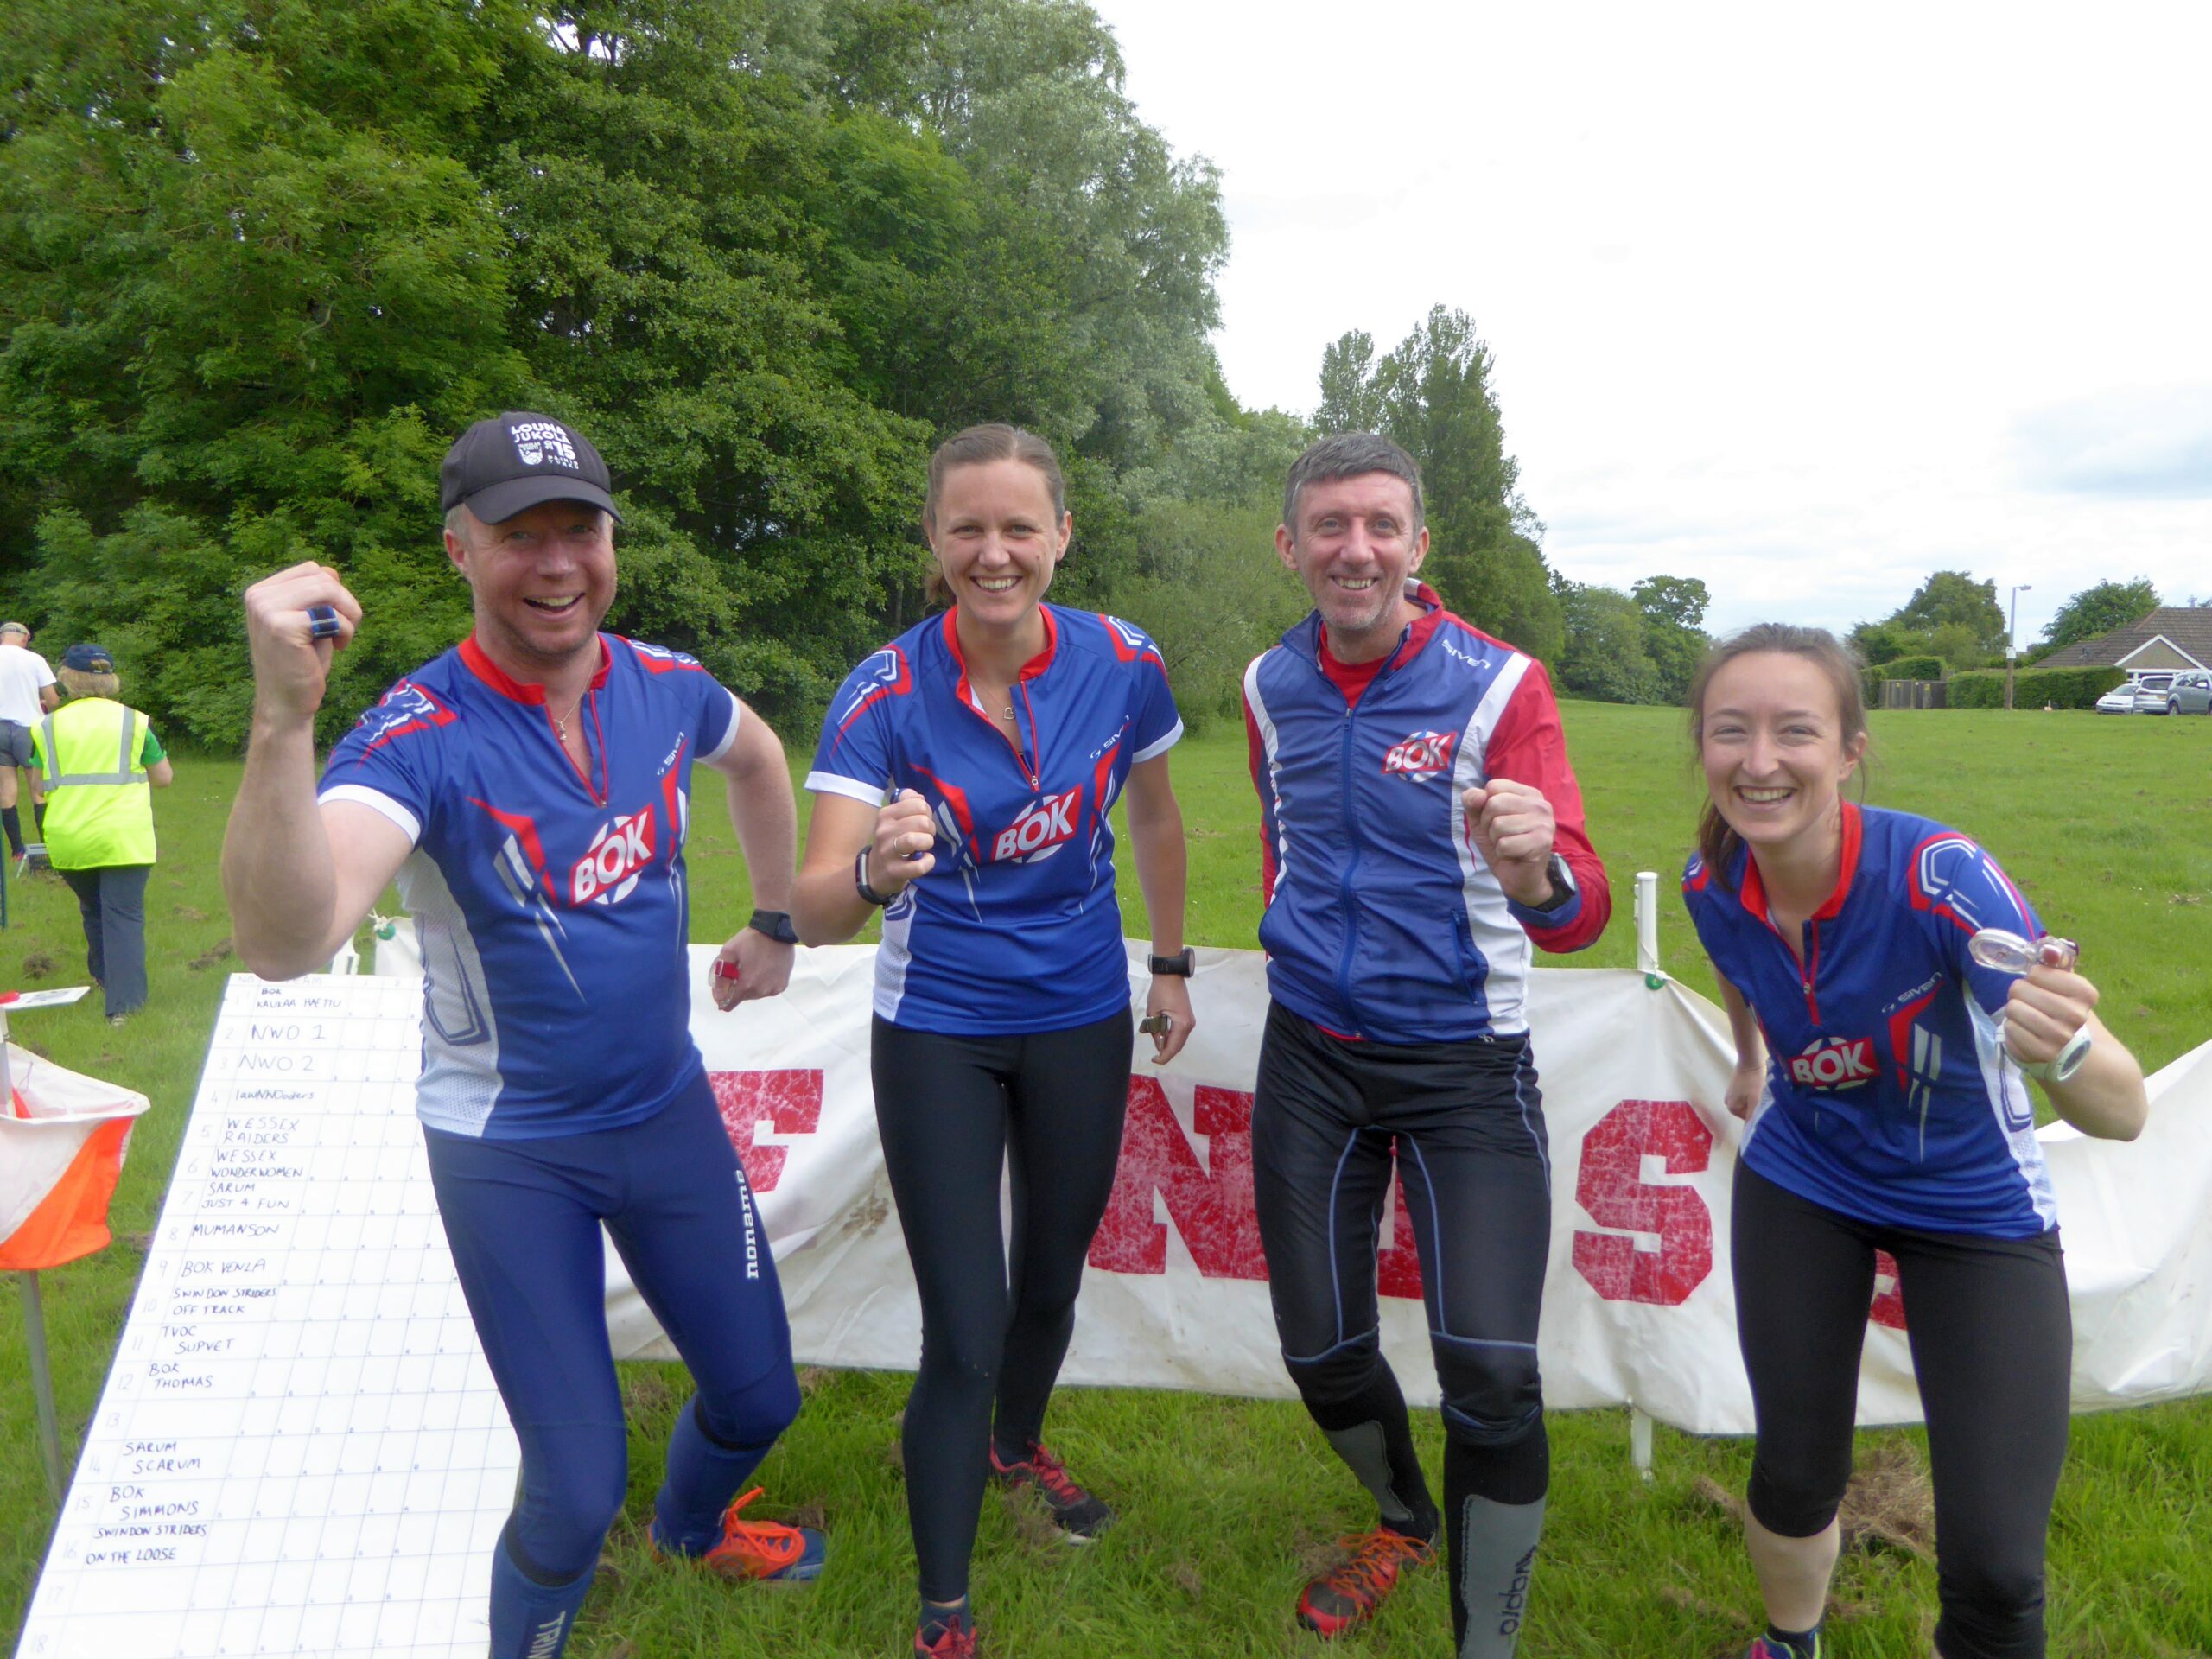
(962, 785)
(1880, 1068)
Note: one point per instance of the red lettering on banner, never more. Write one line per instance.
(1889, 1295)
(1397, 1265)
(1211, 1206)
(790, 1102)
(1611, 1188)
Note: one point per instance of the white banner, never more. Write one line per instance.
(1637, 1310)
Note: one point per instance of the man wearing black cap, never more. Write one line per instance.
(529, 790)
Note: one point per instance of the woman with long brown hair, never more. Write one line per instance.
(1891, 991)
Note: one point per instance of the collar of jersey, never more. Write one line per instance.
(1349, 676)
(1030, 670)
(515, 690)
(1754, 890)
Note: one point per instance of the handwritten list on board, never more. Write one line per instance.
(300, 1450)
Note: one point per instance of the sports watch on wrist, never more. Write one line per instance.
(1562, 885)
(776, 923)
(1182, 964)
(2062, 1066)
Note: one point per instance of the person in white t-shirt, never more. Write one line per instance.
(26, 693)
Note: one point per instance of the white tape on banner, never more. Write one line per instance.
(1637, 1310)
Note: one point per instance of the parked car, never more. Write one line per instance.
(2150, 692)
(2120, 700)
(2190, 694)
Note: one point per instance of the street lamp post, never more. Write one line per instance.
(2012, 628)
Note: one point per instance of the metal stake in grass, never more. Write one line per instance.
(49, 1430)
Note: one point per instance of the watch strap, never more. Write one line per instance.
(1183, 963)
(776, 923)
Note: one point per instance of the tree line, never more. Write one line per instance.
(260, 260)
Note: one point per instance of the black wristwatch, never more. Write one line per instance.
(776, 925)
(1182, 964)
(1563, 885)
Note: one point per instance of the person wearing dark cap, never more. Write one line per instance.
(26, 693)
(97, 764)
(529, 790)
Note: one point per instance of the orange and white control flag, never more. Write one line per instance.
(62, 1137)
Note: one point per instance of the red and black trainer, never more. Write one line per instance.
(956, 1639)
(1348, 1593)
(1080, 1516)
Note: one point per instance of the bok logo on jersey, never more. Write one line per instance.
(1835, 1063)
(1042, 829)
(1422, 755)
(619, 854)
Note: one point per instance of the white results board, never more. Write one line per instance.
(300, 1451)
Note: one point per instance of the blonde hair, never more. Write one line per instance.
(82, 684)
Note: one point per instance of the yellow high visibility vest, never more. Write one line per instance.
(99, 807)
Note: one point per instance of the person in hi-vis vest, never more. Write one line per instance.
(97, 762)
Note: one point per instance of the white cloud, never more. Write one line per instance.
(1807, 304)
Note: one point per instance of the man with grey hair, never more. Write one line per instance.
(1421, 829)
(26, 694)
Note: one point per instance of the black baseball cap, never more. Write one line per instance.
(88, 658)
(504, 466)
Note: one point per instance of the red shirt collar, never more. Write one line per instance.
(1030, 670)
(506, 685)
(1754, 890)
(1352, 678)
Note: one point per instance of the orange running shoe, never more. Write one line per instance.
(762, 1549)
(1349, 1593)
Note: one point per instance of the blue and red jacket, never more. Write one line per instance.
(1382, 919)
(1016, 928)
(1886, 1097)
(550, 899)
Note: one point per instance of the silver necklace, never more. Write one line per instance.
(560, 724)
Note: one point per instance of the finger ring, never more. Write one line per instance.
(322, 622)
(723, 970)
(1156, 1025)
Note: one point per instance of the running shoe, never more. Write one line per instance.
(1080, 1516)
(1349, 1593)
(956, 1640)
(1763, 1649)
(762, 1549)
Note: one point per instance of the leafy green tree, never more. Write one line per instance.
(2096, 610)
(1953, 598)
(1674, 634)
(1351, 400)
(1433, 397)
(1605, 658)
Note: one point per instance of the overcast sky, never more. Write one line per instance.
(1806, 303)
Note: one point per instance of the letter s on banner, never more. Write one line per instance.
(1611, 1188)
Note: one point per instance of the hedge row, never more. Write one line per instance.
(2062, 688)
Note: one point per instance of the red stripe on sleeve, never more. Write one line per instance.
(1530, 747)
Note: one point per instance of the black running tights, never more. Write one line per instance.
(953, 1112)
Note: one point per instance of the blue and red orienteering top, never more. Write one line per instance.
(1383, 921)
(1886, 1097)
(549, 899)
(1016, 929)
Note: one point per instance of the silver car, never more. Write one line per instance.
(2190, 694)
(2150, 692)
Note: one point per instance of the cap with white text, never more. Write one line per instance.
(515, 461)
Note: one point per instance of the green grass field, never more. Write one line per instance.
(1226, 1502)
